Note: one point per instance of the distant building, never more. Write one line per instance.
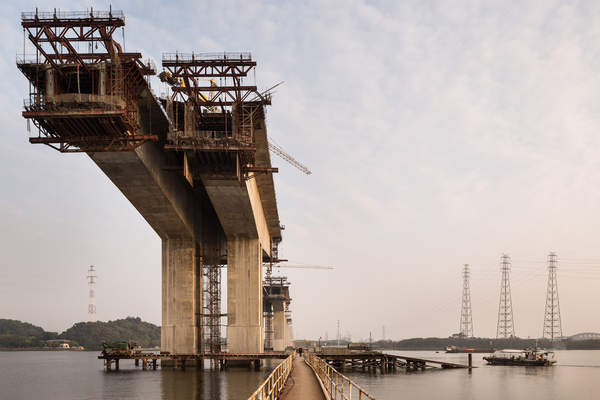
(59, 343)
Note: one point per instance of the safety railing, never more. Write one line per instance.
(57, 14)
(187, 57)
(273, 386)
(338, 386)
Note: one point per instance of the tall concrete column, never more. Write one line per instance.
(244, 296)
(279, 325)
(181, 297)
(289, 335)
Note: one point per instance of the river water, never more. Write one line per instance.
(80, 375)
(575, 376)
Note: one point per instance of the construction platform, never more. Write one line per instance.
(181, 361)
(373, 360)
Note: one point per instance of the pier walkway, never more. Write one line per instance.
(302, 383)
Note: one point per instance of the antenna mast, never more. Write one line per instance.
(91, 282)
(506, 327)
(552, 322)
(466, 316)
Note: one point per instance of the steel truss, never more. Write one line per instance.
(225, 113)
(83, 101)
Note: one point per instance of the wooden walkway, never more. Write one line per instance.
(302, 383)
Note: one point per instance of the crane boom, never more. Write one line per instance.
(267, 265)
(304, 266)
(287, 157)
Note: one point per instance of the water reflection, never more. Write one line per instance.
(210, 383)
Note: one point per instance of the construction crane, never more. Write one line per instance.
(166, 77)
(270, 266)
(287, 157)
(304, 266)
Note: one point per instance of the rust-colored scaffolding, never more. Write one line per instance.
(214, 112)
(82, 101)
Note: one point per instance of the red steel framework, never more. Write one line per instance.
(82, 101)
(210, 116)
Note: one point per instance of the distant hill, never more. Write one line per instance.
(434, 343)
(17, 334)
(91, 334)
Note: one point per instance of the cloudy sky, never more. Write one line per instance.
(439, 133)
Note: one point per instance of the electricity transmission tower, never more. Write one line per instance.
(506, 327)
(466, 316)
(91, 282)
(552, 323)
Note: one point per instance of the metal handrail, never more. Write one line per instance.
(337, 385)
(273, 386)
(241, 56)
(50, 15)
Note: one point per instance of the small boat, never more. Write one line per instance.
(528, 357)
(455, 349)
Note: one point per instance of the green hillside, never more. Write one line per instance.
(91, 334)
(17, 334)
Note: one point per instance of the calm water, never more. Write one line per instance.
(576, 376)
(79, 375)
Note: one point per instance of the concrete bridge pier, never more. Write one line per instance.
(279, 326)
(178, 216)
(289, 336)
(181, 331)
(244, 299)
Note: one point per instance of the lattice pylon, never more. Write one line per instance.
(92, 296)
(505, 327)
(552, 320)
(466, 315)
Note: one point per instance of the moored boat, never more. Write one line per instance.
(529, 358)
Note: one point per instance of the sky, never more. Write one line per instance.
(439, 133)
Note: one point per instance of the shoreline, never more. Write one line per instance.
(9, 349)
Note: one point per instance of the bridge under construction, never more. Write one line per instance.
(195, 163)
